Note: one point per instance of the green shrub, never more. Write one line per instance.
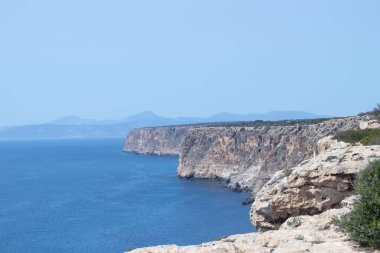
(363, 223)
(332, 157)
(317, 242)
(364, 136)
(288, 172)
(294, 222)
(376, 110)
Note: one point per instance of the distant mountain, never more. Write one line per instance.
(76, 127)
(148, 115)
(73, 120)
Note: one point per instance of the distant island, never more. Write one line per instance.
(71, 127)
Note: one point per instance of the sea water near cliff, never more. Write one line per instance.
(88, 196)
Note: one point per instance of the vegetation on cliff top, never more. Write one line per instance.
(255, 123)
(364, 136)
(363, 223)
(375, 112)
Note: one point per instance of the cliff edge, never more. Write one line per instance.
(304, 233)
(244, 156)
(247, 157)
(294, 211)
(314, 186)
(156, 140)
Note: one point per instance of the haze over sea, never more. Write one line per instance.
(88, 196)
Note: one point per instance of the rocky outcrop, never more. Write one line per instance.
(247, 157)
(297, 235)
(156, 140)
(311, 183)
(370, 123)
(313, 186)
(301, 204)
(244, 156)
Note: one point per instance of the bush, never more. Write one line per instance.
(363, 223)
(364, 136)
(375, 112)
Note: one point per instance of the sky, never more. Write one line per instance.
(112, 58)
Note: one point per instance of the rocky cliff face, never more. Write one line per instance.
(313, 186)
(156, 140)
(300, 204)
(247, 157)
(311, 182)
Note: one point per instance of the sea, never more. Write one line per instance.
(89, 196)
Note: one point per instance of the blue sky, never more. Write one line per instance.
(109, 59)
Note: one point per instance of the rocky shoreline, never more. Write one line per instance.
(244, 158)
(299, 234)
(301, 178)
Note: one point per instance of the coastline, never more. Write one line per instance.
(310, 203)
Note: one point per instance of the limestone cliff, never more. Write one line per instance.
(310, 182)
(247, 157)
(313, 186)
(244, 156)
(156, 140)
(300, 203)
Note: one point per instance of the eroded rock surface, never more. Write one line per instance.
(313, 186)
(311, 183)
(244, 157)
(156, 140)
(247, 157)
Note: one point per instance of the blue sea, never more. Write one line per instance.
(89, 196)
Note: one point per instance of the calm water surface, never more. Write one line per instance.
(88, 196)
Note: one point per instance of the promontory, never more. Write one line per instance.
(299, 175)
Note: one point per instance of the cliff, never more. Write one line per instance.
(315, 185)
(302, 178)
(247, 157)
(156, 140)
(295, 210)
(243, 155)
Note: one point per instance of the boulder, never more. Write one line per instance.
(315, 185)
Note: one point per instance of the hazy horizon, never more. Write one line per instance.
(156, 114)
(110, 59)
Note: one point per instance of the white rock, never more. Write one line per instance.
(313, 186)
(313, 234)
